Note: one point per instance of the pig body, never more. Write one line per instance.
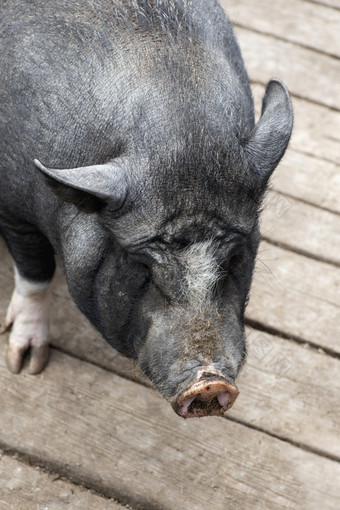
(155, 170)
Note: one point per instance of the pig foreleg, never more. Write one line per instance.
(27, 316)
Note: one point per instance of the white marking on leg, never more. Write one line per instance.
(27, 287)
(28, 312)
(28, 315)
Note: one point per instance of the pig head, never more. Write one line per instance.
(178, 230)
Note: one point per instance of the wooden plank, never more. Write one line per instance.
(316, 131)
(23, 487)
(310, 179)
(281, 393)
(279, 375)
(307, 75)
(301, 227)
(122, 438)
(315, 26)
(296, 296)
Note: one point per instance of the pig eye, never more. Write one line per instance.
(141, 270)
(233, 263)
(144, 276)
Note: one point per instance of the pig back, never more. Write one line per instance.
(83, 82)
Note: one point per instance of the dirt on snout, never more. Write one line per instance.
(202, 337)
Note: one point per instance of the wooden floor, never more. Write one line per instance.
(85, 435)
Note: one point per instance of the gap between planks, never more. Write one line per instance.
(331, 4)
(307, 77)
(299, 251)
(304, 201)
(302, 45)
(301, 228)
(297, 444)
(290, 21)
(259, 326)
(25, 484)
(130, 375)
(125, 431)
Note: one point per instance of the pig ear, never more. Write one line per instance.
(106, 182)
(268, 141)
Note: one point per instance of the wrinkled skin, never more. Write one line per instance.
(154, 214)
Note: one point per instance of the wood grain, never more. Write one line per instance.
(296, 296)
(291, 391)
(328, 3)
(24, 487)
(308, 178)
(301, 227)
(290, 20)
(124, 440)
(307, 74)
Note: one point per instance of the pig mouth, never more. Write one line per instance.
(206, 397)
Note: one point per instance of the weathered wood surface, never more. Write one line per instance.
(297, 296)
(307, 74)
(120, 438)
(291, 20)
(301, 227)
(308, 178)
(23, 487)
(124, 439)
(328, 3)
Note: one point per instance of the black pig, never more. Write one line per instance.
(143, 113)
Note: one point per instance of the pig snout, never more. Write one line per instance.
(209, 395)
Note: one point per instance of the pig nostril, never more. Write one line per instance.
(186, 405)
(211, 399)
(224, 399)
(203, 405)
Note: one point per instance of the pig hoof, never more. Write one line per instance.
(15, 358)
(38, 358)
(6, 327)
